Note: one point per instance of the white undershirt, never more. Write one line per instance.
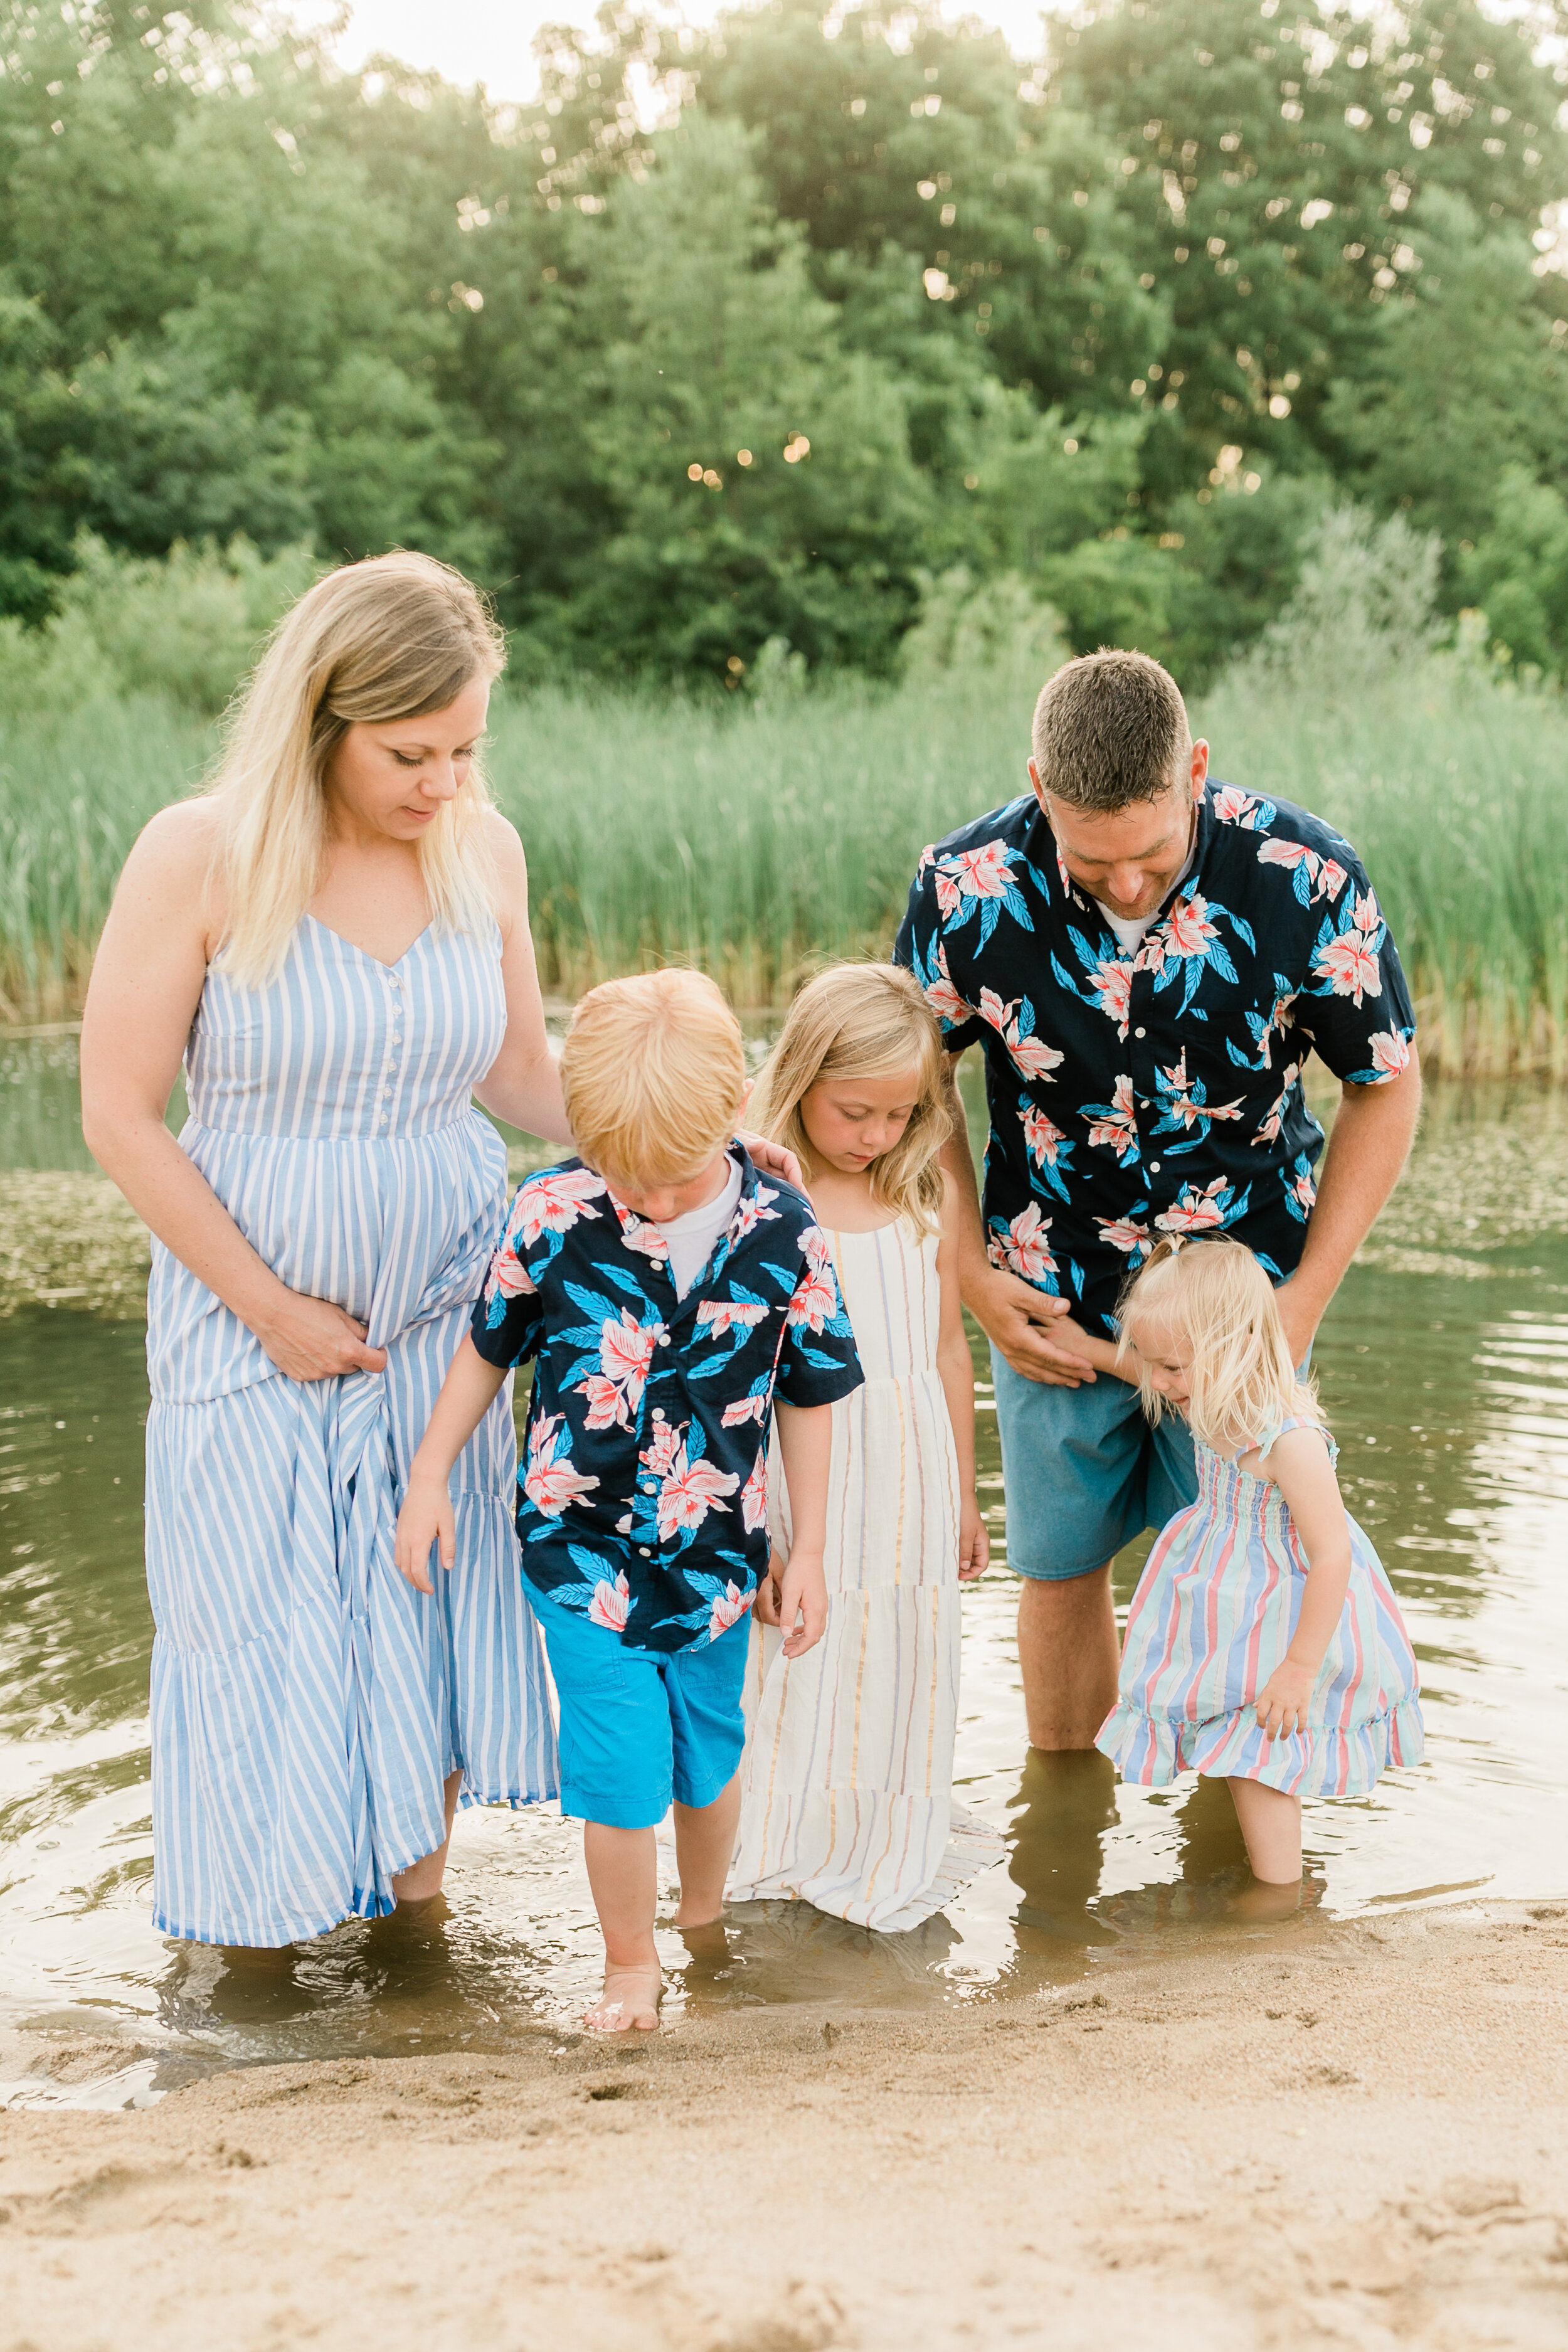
(690, 1238)
(1130, 928)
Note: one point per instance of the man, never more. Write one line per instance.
(1146, 960)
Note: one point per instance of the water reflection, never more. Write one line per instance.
(1444, 1368)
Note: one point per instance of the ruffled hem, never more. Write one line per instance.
(1150, 1750)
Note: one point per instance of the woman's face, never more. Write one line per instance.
(391, 776)
(850, 1122)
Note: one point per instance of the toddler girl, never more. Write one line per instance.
(1264, 1646)
(846, 1788)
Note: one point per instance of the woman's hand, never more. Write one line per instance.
(1283, 1701)
(802, 1601)
(308, 1339)
(973, 1543)
(765, 1605)
(425, 1518)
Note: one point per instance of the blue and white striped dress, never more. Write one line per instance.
(1214, 1615)
(307, 1702)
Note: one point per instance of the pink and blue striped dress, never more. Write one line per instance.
(1211, 1618)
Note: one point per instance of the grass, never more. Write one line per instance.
(753, 839)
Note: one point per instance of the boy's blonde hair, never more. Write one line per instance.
(394, 638)
(863, 1021)
(1216, 1293)
(654, 1076)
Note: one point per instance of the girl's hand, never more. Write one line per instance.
(803, 1602)
(973, 1543)
(765, 1606)
(773, 1159)
(425, 1518)
(1283, 1701)
(308, 1339)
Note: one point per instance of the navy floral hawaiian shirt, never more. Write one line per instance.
(642, 1494)
(1156, 1090)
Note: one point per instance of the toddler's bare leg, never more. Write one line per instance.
(704, 1849)
(1271, 1824)
(422, 1879)
(623, 1872)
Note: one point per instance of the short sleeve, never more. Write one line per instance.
(508, 1321)
(1354, 1004)
(818, 1363)
(920, 948)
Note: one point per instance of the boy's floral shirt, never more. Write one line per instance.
(642, 1493)
(1136, 1092)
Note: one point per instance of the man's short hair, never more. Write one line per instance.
(1110, 729)
(654, 1074)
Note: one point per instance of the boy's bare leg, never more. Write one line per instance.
(623, 1870)
(704, 1849)
(1068, 1655)
(422, 1879)
(1271, 1824)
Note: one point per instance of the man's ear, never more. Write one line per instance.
(1200, 764)
(1034, 780)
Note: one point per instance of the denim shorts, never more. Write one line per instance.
(640, 1727)
(1084, 1472)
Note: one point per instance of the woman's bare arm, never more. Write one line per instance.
(523, 1085)
(147, 981)
(956, 1368)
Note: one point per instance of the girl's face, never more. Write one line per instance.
(851, 1122)
(392, 776)
(1165, 1353)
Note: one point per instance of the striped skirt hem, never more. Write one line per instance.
(1149, 1752)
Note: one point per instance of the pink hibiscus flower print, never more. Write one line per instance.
(551, 1202)
(1022, 1246)
(611, 1604)
(1349, 966)
(1390, 1052)
(1116, 1129)
(1268, 1127)
(657, 1457)
(744, 1409)
(626, 1351)
(1031, 1057)
(815, 1302)
(1185, 1107)
(639, 1235)
(1196, 1212)
(509, 1276)
(720, 1317)
(1041, 1139)
(754, 1496)
(751, 1210)
(728, 1606)
(942, 997)
(1187, 929)
(980, 873)
(1233, 806)
(1332, 879)
(1302, 1190)
(1112, 987)
(949, 896)
(1123, 1233)
(550, 1482)
(689, 1492)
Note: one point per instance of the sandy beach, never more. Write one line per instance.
(1354, 2136)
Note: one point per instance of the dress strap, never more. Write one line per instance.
(1274, 1429)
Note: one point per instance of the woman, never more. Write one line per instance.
(335, 940)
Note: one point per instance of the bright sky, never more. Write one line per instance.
(490, 40)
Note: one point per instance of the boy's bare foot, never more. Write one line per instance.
(631, 1999)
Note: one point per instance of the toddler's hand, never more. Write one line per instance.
(973, 1543)
(803, 1602)
(765, 1606)
(425, 1518)
(1283, 1702)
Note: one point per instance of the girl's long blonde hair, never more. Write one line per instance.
(1217, 1294)
(863, 1021)
(389, 640)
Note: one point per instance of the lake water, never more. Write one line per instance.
(1444, 1367)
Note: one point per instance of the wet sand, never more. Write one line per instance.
(1354, 2136)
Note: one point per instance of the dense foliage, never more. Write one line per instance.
(878, 305)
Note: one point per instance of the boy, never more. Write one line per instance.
(675, 1304)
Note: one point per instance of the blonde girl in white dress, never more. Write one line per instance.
(846, 1797)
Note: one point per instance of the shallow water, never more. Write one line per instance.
(1444, 1368)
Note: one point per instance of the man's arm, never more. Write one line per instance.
(1011, 1312)
(1372, 1132)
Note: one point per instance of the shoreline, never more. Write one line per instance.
(1356, 2138)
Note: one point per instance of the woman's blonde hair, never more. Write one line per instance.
(654, 1074)
(1217, 1294)
(863, 1021)
(393, 638)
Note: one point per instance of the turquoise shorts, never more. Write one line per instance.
(1084, 1472)
(640, 1727)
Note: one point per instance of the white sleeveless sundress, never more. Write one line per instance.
(307, 1702)
(848, 1765)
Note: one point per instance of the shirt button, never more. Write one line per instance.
(664, 1339)
(644, 1551)
(1153, 1168)
(1138, 1032)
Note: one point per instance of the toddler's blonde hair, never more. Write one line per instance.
(654, 1074)
(390, 639)
(863, 1021)
(1217, 1294)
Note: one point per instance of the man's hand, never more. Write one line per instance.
(1020, 1321)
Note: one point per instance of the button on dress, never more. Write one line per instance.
(307, 1703)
